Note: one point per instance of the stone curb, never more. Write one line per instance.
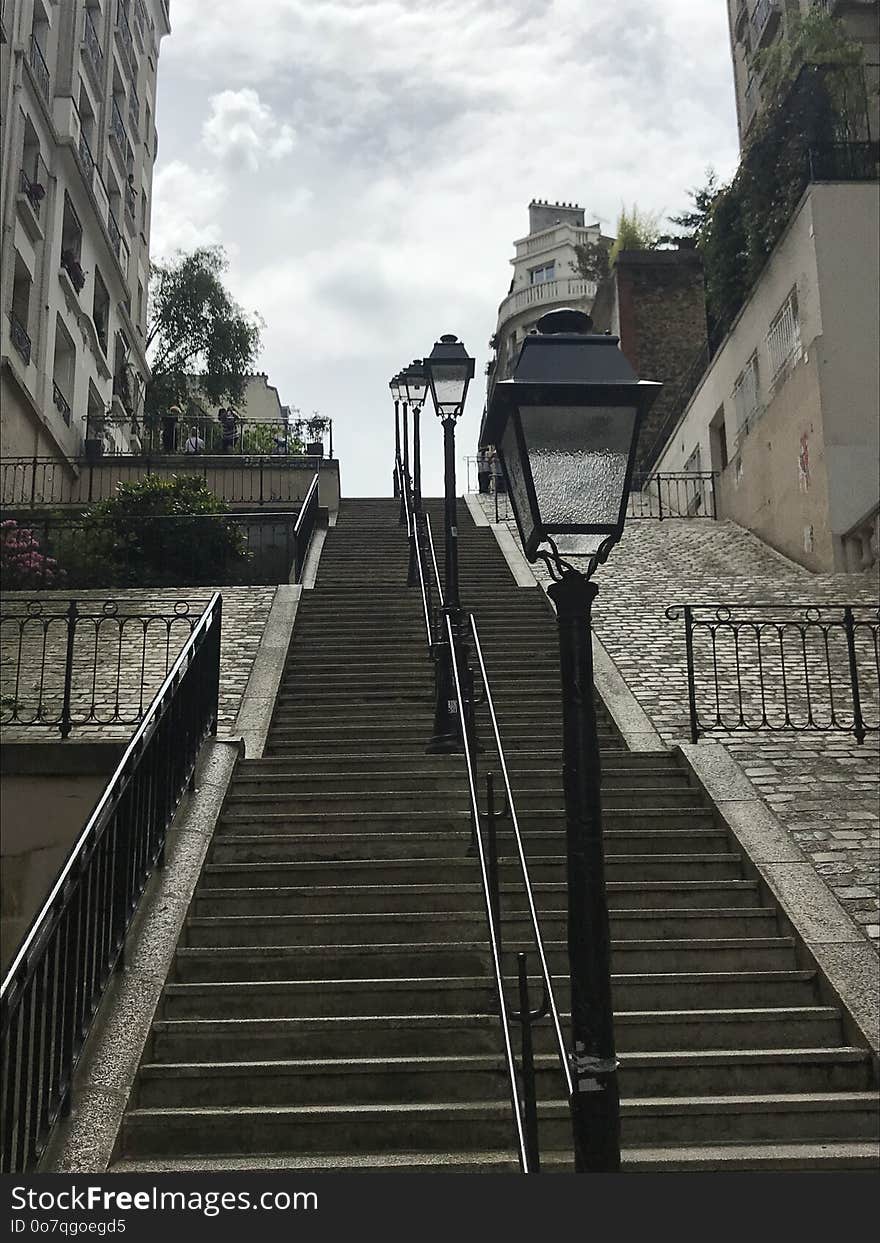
(846, 960)
(84, 1142)
(258, 700)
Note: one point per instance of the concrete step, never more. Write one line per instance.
(838, 1155)
(387, 927)
(334, 761)
(432, 777)
(237, 844)
(436, 1034)
(254, 822)
(634, 874)
(450, 1126)
(353, 801)
(338, 1081)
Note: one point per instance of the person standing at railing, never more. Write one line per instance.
(484, 469)
(497, 474)
(229, 428)
(194, 443)
(169, 428)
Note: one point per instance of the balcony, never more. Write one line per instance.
(741, 19)
(71, 265)
(134, 113)
(550, 239)
(118, 243)
(31, 193)
(39, 68)
(751, 100)
(130, 206)
(84, 156)
(92, 50)
(123, 34)
(563, 291)
(62, 405)
(117, 131)
(19, 337)
(765, 19)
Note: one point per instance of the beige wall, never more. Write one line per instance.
(41, 818)
(810, 460)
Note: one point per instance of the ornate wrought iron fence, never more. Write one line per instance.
(686, 494)
(54, 985)
(87, 664)
(782, 667)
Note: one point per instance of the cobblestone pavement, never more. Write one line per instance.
(824, 787)
(119, 663)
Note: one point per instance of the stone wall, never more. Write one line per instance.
(122, 662)
(824, 787)
(655, 302)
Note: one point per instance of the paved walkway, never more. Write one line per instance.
(824, 787)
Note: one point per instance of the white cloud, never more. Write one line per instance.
(422, 129)
(186, 206)
(241, 131)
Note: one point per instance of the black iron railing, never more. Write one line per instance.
(92, 45)
(18, 335)
(181, 550)
(62, 405)
(88, 663)
(239, 480)
(304, 527)
(247, 437)
(40, 68)
(782, 667)
(56, 980)
(684, 494)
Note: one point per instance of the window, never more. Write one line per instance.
(71, 233)
(718, 441)
(746, 396)
(101, 310)
(63, 370)
(547, 272)
(20, 311)
(784, 337)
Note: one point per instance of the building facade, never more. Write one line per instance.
(78, 142)
(546, 274)
(787, 411)
(757, 24)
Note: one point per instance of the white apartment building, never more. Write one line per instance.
(545, 275)
(756, 24)
(78, 143)
(788, 412)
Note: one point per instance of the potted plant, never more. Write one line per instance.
(316, 426)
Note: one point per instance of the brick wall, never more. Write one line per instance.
(824, 787)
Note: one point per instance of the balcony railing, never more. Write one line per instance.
(130, 203)
(39, 68)
(62, 405)
(563, 290)
(765, 19)
(84, 154)
(115, 232)
(33, 189)
(117, 128)
(92, 48)
(123, 31)
(751, 99)
(19, 337)
(134, 112)
(547, 239)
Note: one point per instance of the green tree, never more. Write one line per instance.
(165, 531)
(813, 37)
(695, 220)
(196, 330)
(636, 230)
(591, 260)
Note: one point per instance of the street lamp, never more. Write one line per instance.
(566, 426)
(449, 370)
(394, 385)
(414, 382)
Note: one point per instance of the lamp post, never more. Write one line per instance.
(565, 426)
(394, 385)
(449, 370)
(414, 382)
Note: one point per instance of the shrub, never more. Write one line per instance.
(23, 564)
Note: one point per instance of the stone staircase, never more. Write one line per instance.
(330, 1004)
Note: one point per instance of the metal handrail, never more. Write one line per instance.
(550, 999)
(440, 595)
(53, 987)
(523, 1152)
(412, 530)
(308, 514)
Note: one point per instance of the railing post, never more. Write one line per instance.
(492, 855)
(858, 719)
(33, 482)
(530, 1103)
(712, 478)
(659, 499)
(65, 724)
(689, 649)
(261, 481)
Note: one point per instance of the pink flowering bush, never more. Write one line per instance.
(22, 563)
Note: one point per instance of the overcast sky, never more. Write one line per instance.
(367, 165)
